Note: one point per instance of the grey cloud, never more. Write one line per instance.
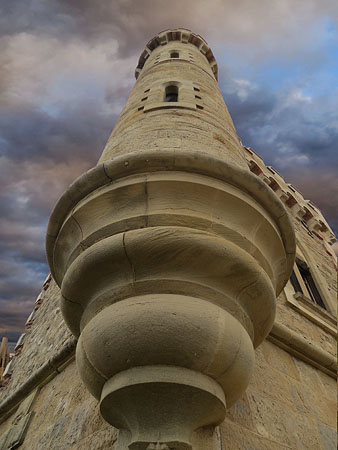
(295, 134)
(132, 23)
(283, 128)
(33, 134)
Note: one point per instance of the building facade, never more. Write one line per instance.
(194, 285)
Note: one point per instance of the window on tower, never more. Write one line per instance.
(303, 282)
(171, 94)
(174, 55)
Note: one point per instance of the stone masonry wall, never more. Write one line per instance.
(288, 405)
(45, 336)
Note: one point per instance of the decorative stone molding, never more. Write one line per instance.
(298, 346)
(175, 257)
(310, 310)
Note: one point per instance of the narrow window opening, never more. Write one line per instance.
(144, 99)
(147, 90)
(310, 286)
(174, 55)
(197, 89)
(309, 282)
(295, 283)
(305, 225)
(197, 96)
(140, 108)
(171, 94)
(199, 107)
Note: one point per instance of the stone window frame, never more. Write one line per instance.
(174, 54)
(171, 90)
(166, 56)
(304, 283)
(302, 302)
(186, 96)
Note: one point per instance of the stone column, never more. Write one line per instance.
(170, 254)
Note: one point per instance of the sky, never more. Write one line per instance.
(67, 68)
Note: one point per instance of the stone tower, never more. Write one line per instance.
(169, 254)
(167, 259)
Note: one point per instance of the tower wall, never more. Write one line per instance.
(199, 123)
(167, 260)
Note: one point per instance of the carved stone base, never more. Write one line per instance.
(169, 265)
(161, 405)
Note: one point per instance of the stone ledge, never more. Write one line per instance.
(299, 347)
(192, 162)
(52, 367)
(311, 311)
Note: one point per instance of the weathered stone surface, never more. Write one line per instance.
(42, 339)
(328, 437)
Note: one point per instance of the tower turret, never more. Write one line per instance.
(169, 254)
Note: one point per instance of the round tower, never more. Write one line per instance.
(176, 103)
(169, 254)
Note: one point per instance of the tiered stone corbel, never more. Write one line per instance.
(169, 264)
(169, 267)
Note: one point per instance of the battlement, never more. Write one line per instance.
(301, 209)
(182, 35)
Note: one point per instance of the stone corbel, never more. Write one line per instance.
(168, 292)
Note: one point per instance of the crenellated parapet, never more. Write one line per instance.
(297, 206)
(180, 35)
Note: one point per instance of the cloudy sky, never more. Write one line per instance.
(66, 70)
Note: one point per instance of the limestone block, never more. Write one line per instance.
(15, 435)
(328, 437)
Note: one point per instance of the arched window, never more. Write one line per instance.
(171, 94)
(174, 55)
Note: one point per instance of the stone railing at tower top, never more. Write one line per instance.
(169, 255)
(181, 35)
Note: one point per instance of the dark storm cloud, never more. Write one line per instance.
(66, 70)
(19, 286)
(288, 121)
(265, 122)
(28, 133)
